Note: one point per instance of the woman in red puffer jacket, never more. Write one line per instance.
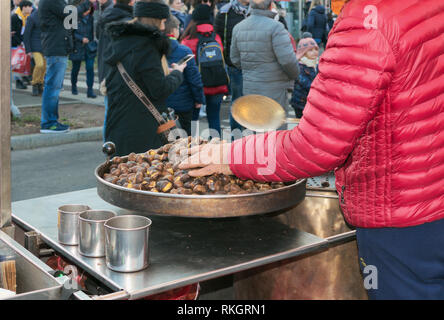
(200, 23)
(375, 115)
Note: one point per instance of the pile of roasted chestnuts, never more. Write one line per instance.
(154, 171)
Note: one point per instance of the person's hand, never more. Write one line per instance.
(178, 67)
(198, 105)
(85, 40)
(208, 159)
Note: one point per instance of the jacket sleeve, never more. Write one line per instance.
(355, 72)
(79, 34)
(219, 25)
(283, 50)
(27, 34)
(234, 51)
(156, 84)
(311, 20)
(193, 77)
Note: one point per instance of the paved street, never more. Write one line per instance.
(59, 169)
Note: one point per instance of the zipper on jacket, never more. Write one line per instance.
(342, 195)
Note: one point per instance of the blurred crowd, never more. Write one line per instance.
(239, 47)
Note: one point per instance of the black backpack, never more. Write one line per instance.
(211, 62)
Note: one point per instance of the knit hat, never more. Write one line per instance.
(306, 34)
(305, 45)
(201, 14)
(151, 10)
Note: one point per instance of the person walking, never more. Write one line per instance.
(141, 46)
(190, 95)
(201, 28)
(308, 55)
(195, 3)
(18, 24)
(85, 49)
(176, 7)
(228, 17)
(56, 45)
(317, 22)
(122, 10)
(266, 55)
(33, 46)
(375, 115)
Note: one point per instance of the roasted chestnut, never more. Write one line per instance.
(164, 186)
(158, 171)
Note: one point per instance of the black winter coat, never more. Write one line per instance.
(56, 39)
(32, 35)
(85, 30)
(317, 23)
(129, 123)
(219, 26)
(118, 12)
(16, 27)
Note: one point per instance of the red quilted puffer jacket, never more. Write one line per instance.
(375, 114)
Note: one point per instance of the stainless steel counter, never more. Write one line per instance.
(183, 250)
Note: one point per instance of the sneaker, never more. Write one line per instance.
(57, 128)
(74, 90)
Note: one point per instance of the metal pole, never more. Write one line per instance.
(301, 3)
(5, 118)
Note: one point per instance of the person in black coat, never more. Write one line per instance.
(121, 11)
(85, 49)
(141, 47)
(317, 22)
(18, 23)
(33, 45)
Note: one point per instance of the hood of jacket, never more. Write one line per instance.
(127, 37)
(204, 28)
(319, 9)
(116, 13)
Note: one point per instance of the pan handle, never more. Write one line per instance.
(109, 148)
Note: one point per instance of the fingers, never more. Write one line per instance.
(211, 169)
(203, 172)
(192, 162)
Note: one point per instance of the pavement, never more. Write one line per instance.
(24, 99)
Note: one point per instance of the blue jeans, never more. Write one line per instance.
(213, 112)
(236, 88)
(403, 263)
(89, 71)
(55, 73)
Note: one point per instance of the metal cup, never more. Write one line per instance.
(127, 248)
(92, 232)
(68, 223)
